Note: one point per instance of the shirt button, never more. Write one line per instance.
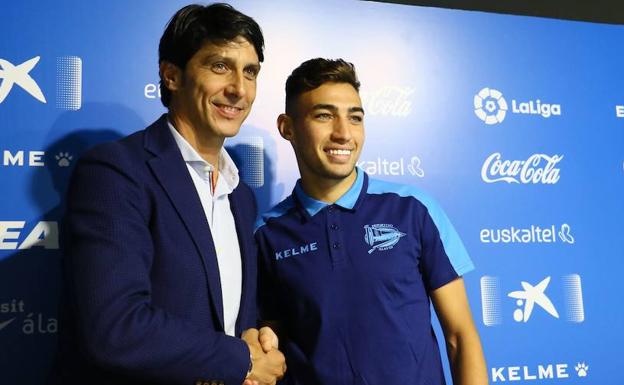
(330, 208)
(334, 227)
(336, 245)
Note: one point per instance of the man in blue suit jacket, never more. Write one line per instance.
(160, 260)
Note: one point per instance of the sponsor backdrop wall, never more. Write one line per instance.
(515, 124)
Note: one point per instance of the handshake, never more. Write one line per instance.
(267, 362)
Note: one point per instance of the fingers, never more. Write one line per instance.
(268, 362)
(249, 334)
(278, 363)
(268, 339)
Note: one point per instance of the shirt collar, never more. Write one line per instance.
(227, 168)
(347, 200)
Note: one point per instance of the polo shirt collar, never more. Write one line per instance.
(227, 168)
(348, 200)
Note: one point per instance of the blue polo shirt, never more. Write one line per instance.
(350, 283)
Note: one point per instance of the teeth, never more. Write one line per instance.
(340, 152)
(229, 108)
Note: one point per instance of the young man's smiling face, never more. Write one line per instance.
(216, 90)
(327, 133)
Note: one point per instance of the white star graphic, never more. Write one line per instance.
(19, 75)
(534, 295)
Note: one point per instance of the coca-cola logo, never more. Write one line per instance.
(388, 101)
(538, 168)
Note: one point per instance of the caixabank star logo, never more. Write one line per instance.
(19, 75)
(68, 87)
(530, 297)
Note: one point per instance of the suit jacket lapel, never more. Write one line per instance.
(247, 255)
(171, 171)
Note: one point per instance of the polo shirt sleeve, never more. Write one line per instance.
(443, 255)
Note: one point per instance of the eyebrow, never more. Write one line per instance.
(228, 60)
(255, 66)
(333, 108)
(213, 57)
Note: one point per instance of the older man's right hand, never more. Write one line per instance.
(267, 367)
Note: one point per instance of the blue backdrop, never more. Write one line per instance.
(515, 124)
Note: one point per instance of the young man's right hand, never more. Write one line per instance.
(268, 363)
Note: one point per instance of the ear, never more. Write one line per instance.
(285, 126)
(171, 75)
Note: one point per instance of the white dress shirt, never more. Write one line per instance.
(221, 221)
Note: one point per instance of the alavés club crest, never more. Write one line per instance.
(381, 236)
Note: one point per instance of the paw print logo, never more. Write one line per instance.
(63, 159)
(581, 369)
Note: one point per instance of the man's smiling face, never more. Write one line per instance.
(327, 132)
(218, 87)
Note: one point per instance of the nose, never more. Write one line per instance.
(236, 87)
(342, 130)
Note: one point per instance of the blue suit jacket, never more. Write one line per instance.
(144, 300)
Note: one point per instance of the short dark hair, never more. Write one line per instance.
(195, 25)
(314, 73)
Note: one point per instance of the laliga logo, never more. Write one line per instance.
(530, 171)
(19, 75)
(491, 107)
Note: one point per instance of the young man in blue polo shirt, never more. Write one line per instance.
(349, 264)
